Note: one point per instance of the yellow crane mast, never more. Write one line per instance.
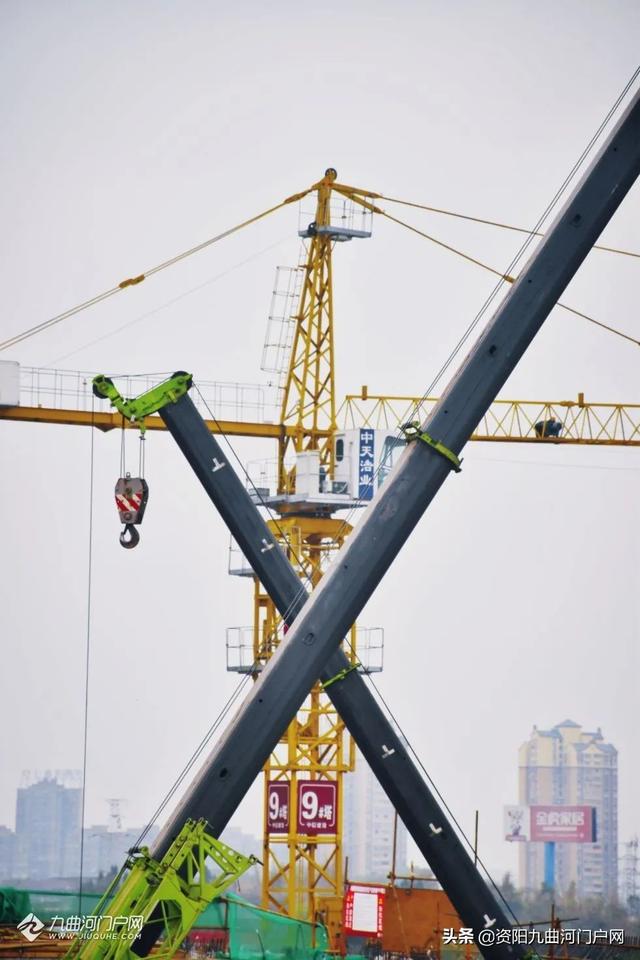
(309, 400)
(303, 856)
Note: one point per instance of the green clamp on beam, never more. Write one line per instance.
(135, 410)
(412, 431)
(341, 675)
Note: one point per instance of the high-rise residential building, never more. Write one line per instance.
(368, 827)
(46, 843)
(568, 765)
(47, 837)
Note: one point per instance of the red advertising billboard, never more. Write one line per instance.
(363, 910)
(278, 807)
(563, 824)
(550, 823)
(317, 807)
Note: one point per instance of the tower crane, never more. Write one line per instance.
(432, 453)
(321, 437)
(308, 435)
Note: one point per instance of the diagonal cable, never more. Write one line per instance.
(496, 223)
(134, 281)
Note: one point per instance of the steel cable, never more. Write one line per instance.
(134, 281)
(496, 223)
(85, 734)
(413, 411)
(506, 277)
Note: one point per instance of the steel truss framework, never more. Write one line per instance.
(509, 421)
(302, 874)
(583, 422)
(309, 403)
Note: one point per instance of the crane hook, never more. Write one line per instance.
(129, 538)
(132, 494)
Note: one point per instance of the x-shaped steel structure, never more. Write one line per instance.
(320, 622)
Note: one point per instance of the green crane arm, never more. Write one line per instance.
(170, 893)
(169, 391)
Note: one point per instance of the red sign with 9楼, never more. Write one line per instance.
(317, 807)
(278, 807)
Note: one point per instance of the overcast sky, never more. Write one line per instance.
(132, 131)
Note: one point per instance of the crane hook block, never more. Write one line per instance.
(129, 537)
(132, 494)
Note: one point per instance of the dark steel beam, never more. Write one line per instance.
(378, 741)
(336, 603)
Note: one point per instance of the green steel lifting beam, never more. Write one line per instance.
(170, 893)
(169, 391)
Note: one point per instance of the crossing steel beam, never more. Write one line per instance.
(321, 625)
(379, 743)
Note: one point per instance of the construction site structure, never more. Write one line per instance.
(303, 854)
(64, 398)
(380, 742)
(433, 451)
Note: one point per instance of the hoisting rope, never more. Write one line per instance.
(507, 277)
(134, 281)
(497, 223)
(188, 766)
(87, 663)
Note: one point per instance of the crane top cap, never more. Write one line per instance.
(342, 219)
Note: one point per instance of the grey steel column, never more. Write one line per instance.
(352, 698)
(238, 757)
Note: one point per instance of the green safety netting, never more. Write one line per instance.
(254, 934)
(14, 904)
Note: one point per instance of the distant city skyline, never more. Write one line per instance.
(46, 843)
(568, 765)
(48, 808)
(45, 846)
